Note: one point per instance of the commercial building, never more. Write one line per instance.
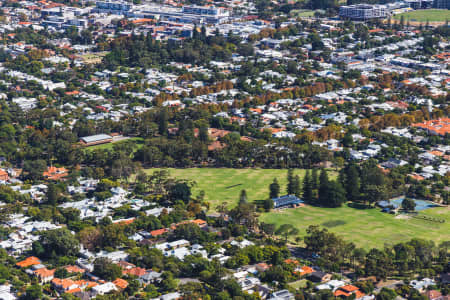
(186, 14)
(443, 4)
(363, 12)
(96, 139)
(113, 7)
(420, 4)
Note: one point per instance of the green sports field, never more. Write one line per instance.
(365, 227)
(224, 184)
(423, 15)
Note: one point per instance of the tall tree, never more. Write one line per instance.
(323, 187)
(297, 186)
(352, 182)
(57, 242)
(274, 189)
(307, 188)
(314, 179)
(335, 194)
(402, 22)
(203, 133)
(408, 204)
(286, 230)
(243, 197)
(291, 183)
(163, 123)
(104, 268)
(52, 194)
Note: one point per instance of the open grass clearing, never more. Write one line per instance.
(367, 228)
(225, 184)
(299, 284)
(423, 15)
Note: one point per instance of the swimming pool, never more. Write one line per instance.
(420, 204)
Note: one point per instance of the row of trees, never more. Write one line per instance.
(401, 259)
(365, 183)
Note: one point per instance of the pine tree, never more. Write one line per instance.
(314, 179)
(195, 32)
(315, 184)
(335, 194)
(307, 188)
(297, 187)
(323, 187)
(203, 134)
(352, 183)
(52, 194)
(291, 183)
(163, 122)
(274, 189)
(402, 22)
(243, 197)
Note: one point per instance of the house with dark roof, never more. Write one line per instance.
(445, 278)
(319, 276)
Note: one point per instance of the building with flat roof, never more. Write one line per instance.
(96, 139)
(363, 12)
(113, 7)
(443, 4)
(185, 14)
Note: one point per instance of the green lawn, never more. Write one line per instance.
(109, 146)
(300, 13)
(431, 15)
(226, 184)
(365, 227)
(299, 284)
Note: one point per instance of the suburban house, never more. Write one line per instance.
(120, 283)
(319, 277)
(3, 175)
(283, 294)
(44, 275)
(348, 290)
(103, 288)
(54, 173)
(64, 285)
(28, 262)
(149, 277)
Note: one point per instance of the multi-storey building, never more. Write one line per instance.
(443, 4)
(363, 12)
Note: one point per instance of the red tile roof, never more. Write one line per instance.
(158, 232)
(349, 288)
(29, 261)
(120, 283)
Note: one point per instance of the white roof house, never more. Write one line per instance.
(104, 288)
